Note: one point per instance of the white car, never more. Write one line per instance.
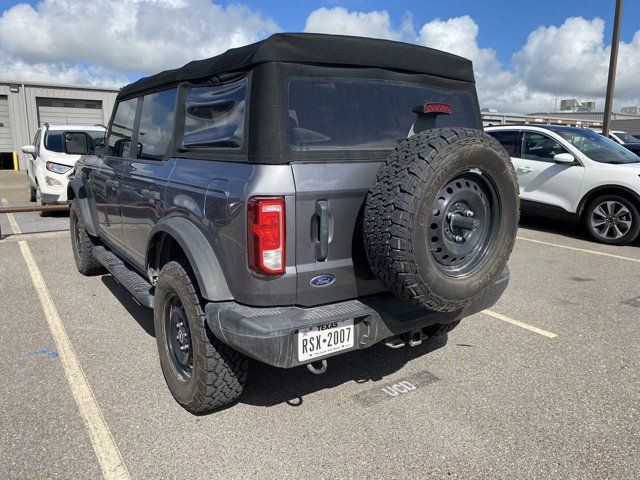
(575, 173)
(49, 167)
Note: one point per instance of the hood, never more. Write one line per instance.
(61, 158)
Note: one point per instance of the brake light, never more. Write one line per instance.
(434, 108)
(266, 235)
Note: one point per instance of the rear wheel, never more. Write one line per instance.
(202, 373)
(612, 219)
(441, 220)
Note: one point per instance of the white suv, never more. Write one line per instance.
(49, 165)
(575, 173)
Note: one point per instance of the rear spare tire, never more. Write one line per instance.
(441, 220)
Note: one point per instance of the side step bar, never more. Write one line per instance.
(129, 279)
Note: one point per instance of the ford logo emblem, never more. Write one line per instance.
(322, 280)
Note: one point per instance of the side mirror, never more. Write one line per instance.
(29, 150)
(77, 143)
(564, 159)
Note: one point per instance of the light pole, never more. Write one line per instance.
(615, 40)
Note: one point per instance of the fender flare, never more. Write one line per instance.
(77, 190)
(202, 258)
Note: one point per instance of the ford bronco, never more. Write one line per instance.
(296, 199)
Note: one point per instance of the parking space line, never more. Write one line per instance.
(517, 323)
(583, 250)
(104, 445)
(11, 218)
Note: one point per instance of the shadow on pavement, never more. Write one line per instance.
(142, 315)
(268, 386)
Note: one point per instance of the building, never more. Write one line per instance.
(619, 121)
(24, 106)
(572, 105)
(635, 110)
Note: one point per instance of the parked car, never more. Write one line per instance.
(627, 140)
(576, 174)
(50, 163)
(273, 207)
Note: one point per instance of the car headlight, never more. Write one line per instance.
(57, 168)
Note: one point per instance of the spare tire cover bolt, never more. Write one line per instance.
(459, 238)
(469, 213)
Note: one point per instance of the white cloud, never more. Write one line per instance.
(570, 60)
(62, 37)
(340, 21)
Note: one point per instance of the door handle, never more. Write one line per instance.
(323, 219)
(150, 194)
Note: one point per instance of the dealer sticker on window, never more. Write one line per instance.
(320, 340)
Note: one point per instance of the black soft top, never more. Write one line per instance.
(319, 49)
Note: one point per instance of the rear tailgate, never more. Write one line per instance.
(331, 262)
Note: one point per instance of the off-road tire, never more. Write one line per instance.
(219, 372)
(82, 244)
(630, 235)
(398, 209)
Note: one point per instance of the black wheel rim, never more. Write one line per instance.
(76, 234)
(464, 223)
(611, 220)
(178, 337)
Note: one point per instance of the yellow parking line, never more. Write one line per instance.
(517, 323)
(619, 257)
(11, 218)
(104, 445)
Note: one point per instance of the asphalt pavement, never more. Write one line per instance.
(497, 398)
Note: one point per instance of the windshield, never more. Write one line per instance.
(597, 147)
(626, 137)
(53, 139)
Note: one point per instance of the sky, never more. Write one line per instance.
(525, 54)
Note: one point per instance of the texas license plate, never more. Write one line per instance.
(320, 340)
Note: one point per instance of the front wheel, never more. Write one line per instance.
(612, 219)
(202, 373)
(39, 201)
(82, 244)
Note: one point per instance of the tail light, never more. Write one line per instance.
(266, 235)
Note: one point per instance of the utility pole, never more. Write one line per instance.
(615, 40)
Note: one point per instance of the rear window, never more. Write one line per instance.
(356, 114)
(53, 139)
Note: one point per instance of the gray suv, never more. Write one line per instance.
(295, 199)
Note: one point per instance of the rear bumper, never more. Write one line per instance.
(269, 334)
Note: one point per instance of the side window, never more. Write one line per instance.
(122, 129)
(536, 146)
(214, 116)
(156, 124)
(509, 141)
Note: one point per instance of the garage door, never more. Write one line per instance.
(6, 144)
(69, 111)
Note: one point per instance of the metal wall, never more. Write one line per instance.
(23, 110)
